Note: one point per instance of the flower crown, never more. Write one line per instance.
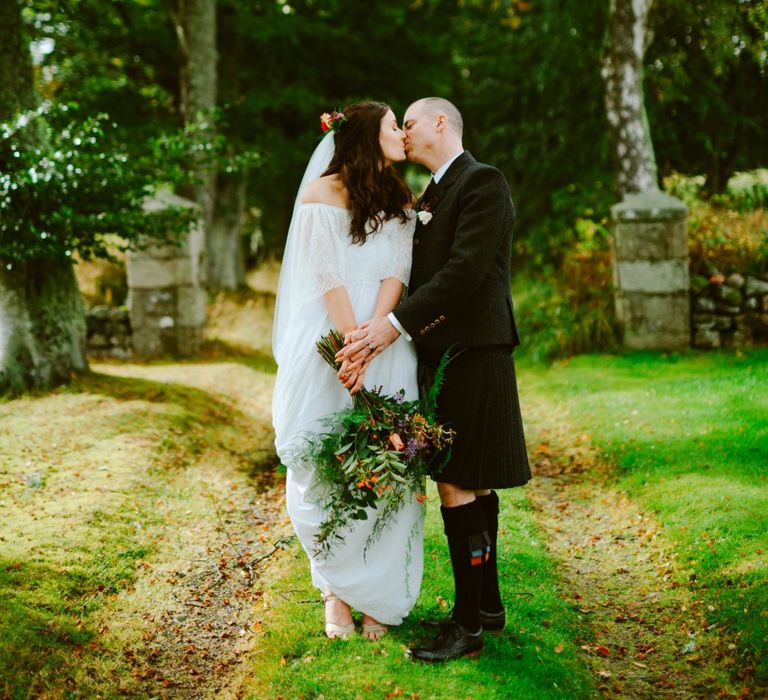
(332, 121)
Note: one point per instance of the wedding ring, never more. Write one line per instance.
(371, 347)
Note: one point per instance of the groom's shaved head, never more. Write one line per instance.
(434, 106)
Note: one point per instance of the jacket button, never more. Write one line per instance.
(415, 241)
(442, 318)
(422, 331)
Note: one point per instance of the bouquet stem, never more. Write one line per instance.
(328, 346)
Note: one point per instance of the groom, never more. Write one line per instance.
(459, 299)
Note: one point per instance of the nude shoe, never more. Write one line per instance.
(373, 631)
(334, 631)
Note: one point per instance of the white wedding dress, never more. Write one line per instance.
(385, 582)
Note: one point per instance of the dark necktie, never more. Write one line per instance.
(426, 198)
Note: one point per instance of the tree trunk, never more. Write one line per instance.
(721, 167)
(17, 90)
(195, 22)
(226, 260)
(42, 326)
(42, 321)
(631, 145)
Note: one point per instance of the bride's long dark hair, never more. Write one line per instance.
(376, 192)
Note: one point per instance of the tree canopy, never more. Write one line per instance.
(525, 73)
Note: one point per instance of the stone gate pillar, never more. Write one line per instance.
(166, 298)
(650, 271)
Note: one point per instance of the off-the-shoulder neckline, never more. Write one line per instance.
(327, 206)
(344, 209)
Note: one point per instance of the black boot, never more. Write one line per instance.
(469, 545)
(492, 614)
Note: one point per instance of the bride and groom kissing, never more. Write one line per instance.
(405, 282)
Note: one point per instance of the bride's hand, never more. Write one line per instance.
(352, 379)
(344, 355)
(349, 371)
(359, 382)
(348, 367)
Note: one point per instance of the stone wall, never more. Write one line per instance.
(728, 312)
(109, 332)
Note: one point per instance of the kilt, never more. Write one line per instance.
(479, 401)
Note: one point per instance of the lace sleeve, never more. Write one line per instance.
(401, 261)
(320, 258)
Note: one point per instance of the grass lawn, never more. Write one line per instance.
(535, 656)
(689, 437)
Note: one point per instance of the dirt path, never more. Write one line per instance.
(206, 591)
(649, 637)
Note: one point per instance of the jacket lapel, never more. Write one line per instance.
(451, 175)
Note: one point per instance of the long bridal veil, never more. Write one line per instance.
(292, 277)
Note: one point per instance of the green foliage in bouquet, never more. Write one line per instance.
(375, 454)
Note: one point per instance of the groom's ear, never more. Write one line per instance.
(441, 123)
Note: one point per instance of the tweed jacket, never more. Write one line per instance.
(458, 293)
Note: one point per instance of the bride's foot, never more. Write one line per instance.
(373, 630)
(338, 617)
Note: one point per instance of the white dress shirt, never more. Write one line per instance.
(437, 176)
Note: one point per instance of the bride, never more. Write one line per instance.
(347, 259)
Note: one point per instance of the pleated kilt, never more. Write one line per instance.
(479, 400)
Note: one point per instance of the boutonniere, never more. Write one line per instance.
(424, 214)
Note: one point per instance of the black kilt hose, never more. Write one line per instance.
(459, 300)
(479, 401)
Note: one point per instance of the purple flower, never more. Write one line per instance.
(411, 448)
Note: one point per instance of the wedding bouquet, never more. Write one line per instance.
(374, 454)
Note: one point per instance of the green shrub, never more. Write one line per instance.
(745, 192)
(725, 240)
(567, 310)
(67, 184)
(729, 232)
